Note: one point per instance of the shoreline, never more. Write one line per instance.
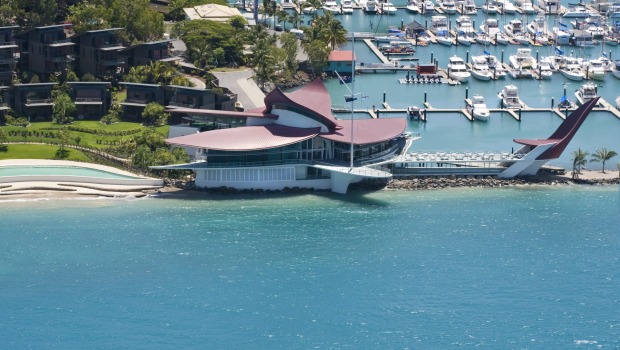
(179, 189)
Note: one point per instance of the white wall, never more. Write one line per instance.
(293, 119)
(182, 130)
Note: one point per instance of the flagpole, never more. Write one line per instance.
(352, 93)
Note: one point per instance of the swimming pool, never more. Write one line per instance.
(48, 170)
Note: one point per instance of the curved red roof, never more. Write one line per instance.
(312, 98)
(368, 131)
(246, 138)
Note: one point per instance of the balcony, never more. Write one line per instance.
(33, 102)
(8, 44)
(112, 62)
(184, 105)
(88, 101)
(62, 42)
(109, 46)
(136, 101)
(61, 58)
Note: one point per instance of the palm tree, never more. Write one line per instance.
(283, 17)
(602, 155)
(579, 160)
(294, 19)
(332, 31)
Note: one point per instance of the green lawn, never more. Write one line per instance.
(38, 152)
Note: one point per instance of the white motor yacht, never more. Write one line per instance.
(428, 7)
(501, 38)
(370, 7)
(506, 6)
(550, 6)
(479, 109)
(331, 6)
(514, 29)
(412, 6)
(510, 97)
(489, 8)
(594, 69)
(439, 24)
(484, 39)
(615, 69)
(448, 6)
(443, 38)
(387, 7)
(490, 27)
(544, 70)
(457, 69)
(346, 7)
(586, 92)
(480, 68)
(308, 10)
(523, 59)
(466, 34)
(469, 8)
(578, 12)
(572, 69)
(527, 7)
(495, 66)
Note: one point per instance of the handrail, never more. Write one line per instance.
(84, 99)
(38, 100)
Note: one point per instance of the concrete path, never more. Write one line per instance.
(242, 84)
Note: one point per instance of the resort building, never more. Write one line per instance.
(146, 53)
(294, 141)
(8, 54)
(341, 61)
(212, 12)
(92, 98)
(190, 97)
(46, 50)
(138, 96)
(97, 53)
(34, 101)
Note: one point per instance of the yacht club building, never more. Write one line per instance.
(294, 141)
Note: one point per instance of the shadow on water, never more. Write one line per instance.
(357, 196)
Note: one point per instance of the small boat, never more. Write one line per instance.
(510, 97)
(443, 38)
(387, 7)
(457, 70)
(347, 7)
(502, 38)
(490, 27)
(439, 24)
(483, 39)
(412, 6)
(448, 6)
(578, 12)
(565, 103)
(586, 92)
(415, 113)
(514, 29)
(308, 10)
(478, 109)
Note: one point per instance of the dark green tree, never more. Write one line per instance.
(64, 109)
(603, 155)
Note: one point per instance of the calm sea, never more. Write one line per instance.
(527, 268)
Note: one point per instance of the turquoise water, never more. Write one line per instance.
(28, 170)
(529, 268)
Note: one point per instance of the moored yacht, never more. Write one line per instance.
(544, 70)
(448, 6)
(428, 7)
(331, 6)
(370, 7)
(346, 7)
(469, 8)
(480, 68)
(572, 69)
(489, 8)
(594, 69)
(527, 7)
(412, 6)
(578, 12)
(387, 7)
(438, 24)
(479, 109)
(457, 69)
(523, 59)
(465, 30)
(490, 27)
(615, 69)
(506, 6)
(550, 6)
(514, 29)
(510, 97)
(586, 92)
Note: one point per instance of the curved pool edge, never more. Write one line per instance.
(136, 180)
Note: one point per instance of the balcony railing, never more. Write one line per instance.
(64, 58)
(113, 62)
(7, 60)
(33, 101)
(185, 105)
(106, 45)
(58, 42)
(89, 99)
(7, 43)
(139, 101)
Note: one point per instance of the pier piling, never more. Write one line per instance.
(467, 56)
(552, 102)
(520, 114)
(466, 93)
(432, 57)
(502, 61)
(383, 96)
(424, 97)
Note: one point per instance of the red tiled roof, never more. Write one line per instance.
(246, 138)
(312, 98)
(368, 130)
(340, 56)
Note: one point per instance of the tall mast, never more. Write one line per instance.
(352, 92)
